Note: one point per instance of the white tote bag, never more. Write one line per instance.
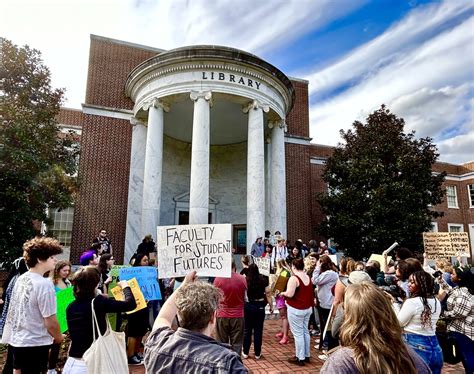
(107, 353)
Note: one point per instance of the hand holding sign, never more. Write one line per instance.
(137, 293)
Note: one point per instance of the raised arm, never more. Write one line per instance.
(168, 310)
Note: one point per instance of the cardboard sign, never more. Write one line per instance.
(114, 274)
(63, 299)
(282, 281)
(263, 265)
(379, 258)
(204, 248)
(137, 293)
(446, 244)
(333, 259)
(147, 278)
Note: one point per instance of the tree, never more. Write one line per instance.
(36, 163)
(381, 187)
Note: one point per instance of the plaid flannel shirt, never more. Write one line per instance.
(460, 313)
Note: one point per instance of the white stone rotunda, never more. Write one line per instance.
(208, 142)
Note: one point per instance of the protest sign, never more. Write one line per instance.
(114, 274)
(147, 279)
(446, 244)
(204, 248)
(137, 293)
(282, 281)
(263, 265)
(380, 259)
(63, 299)
(333, 259)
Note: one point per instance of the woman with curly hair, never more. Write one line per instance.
(418, 316)
(371, 337)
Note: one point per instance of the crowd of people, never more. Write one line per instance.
(366, 317)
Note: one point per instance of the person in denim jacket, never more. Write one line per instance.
(190, 349)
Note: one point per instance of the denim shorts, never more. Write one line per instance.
(428, 348)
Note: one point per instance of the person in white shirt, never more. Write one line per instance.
(418, 316)
(279, 252)
(31, 325)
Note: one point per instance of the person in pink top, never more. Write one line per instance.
(230, 314)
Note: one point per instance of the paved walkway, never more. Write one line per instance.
(274, 357)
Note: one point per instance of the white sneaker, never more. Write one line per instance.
(258, 357)
(323, 357)
(244, 355)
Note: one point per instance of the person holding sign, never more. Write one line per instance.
(190, 349)
(138, 323)
(79, 314)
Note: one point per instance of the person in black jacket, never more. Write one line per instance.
(79, 313)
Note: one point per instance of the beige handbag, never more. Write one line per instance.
(107, 353)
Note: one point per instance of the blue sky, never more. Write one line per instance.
(417, 57)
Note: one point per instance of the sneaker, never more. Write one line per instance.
(307, 359)
(295, 360)
(314, 332)
(244, 355)
(139, 356)
(258, 357)
(134, 361)
(279, 335)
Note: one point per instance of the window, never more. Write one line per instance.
(455, 227)
(62, 225)
(452, 197)
(470, 192)
(434, 227)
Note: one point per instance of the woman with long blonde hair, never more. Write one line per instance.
(371, 337)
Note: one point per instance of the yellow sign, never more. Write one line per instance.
(379, 259)
(137, 293)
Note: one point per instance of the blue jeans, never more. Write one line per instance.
(298, 319)
(427, 347)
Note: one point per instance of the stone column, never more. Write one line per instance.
(153, 167)
(133, 231)
(200, 154)
(255, 172)
(278, 175)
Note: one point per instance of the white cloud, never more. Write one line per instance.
(60, 29)
(388, 47)
(427, 84)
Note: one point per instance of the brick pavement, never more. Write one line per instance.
(274, 357)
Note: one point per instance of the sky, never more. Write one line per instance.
(416, 57)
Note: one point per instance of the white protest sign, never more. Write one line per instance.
(263, 265)
(333, 259)
(204, 248)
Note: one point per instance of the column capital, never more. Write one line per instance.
(196, 95)
(156, 103)
(255, 104)
(279, 123)
(134, 121)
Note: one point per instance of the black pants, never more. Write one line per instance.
(254, 314)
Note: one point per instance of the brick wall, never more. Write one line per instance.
(109, 65)
(298, 118)
(68, 116)
(103, 174)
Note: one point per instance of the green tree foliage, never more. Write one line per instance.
(36, 163)
(381, 187)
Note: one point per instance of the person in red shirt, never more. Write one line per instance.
(230, 314)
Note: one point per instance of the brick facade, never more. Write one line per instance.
(106, 147)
